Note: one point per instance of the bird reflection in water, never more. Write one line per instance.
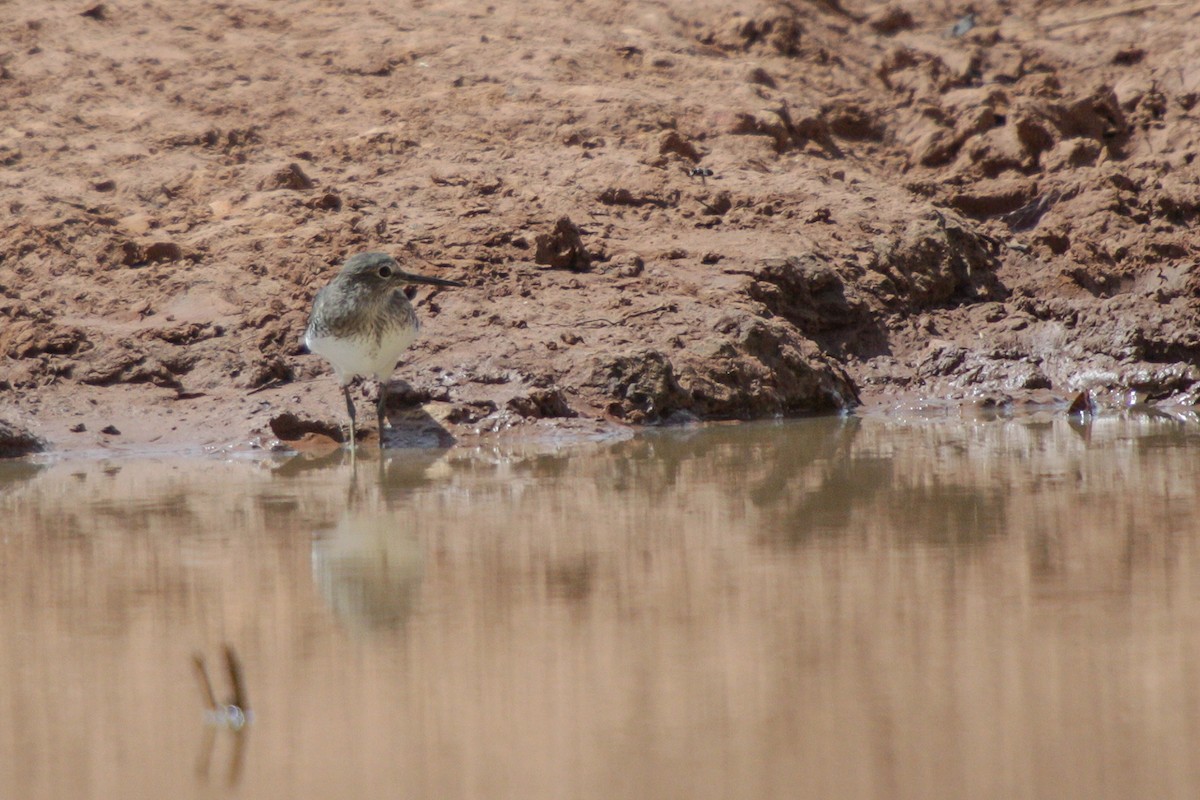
(369, 567)
(368, 570)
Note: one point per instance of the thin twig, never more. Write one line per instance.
(595, 321)
(1128, 10)
(271, 384)
(205, 684)
(236, 680)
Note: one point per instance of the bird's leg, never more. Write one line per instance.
(381, 408)
(350, 411)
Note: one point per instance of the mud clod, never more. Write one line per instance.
(542, 404)
(808, 292)
(134, 254)
(289, 177)
(890, 20)
(673, 142)
(28, 339)
(563, 248)
(642, 384)
(16, 441)
(289, 427)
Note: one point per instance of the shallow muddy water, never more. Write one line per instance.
(849, 608)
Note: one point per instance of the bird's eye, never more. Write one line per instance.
(385, 272)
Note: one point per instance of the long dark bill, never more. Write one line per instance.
(410, 277)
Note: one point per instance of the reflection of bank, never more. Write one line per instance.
(14, 472)
(369, 569)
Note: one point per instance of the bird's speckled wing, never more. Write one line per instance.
(315, 326)
(340, 309)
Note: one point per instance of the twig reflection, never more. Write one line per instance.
(234, 716)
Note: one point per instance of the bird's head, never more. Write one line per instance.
(382, 271)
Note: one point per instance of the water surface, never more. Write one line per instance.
(827, 608)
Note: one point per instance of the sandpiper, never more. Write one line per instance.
(362, 321)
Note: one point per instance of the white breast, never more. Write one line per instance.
(351, 357)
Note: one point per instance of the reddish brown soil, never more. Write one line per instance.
(895, 215)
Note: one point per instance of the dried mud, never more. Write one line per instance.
(663, 211)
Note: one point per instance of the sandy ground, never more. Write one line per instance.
(887, 212)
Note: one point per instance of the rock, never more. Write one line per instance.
(133, 254)
(935, 143)
(935, 147)
(163, 251)
(16, 442)
(563, 248)
(788, 131)
(613, 196)
(126, 363)
(718, 205)
(760, 367)
(761, 77)
(989, 198)
(783, 34)
(289, 177)
(329, 201)
(27, 339)
(541, 403)
(1071, 154)
(187, 333)
(10, 151)
(803, 381)
(850, 119)
(469, 413)
(940, 260)
(890, 20)
(626, 265)
(642, 384)
(808, 292)
(289, 428)
(267, 371)
(673, 142)
(1002, 149)
(765, 123)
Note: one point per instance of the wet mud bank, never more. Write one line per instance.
(661, 213)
